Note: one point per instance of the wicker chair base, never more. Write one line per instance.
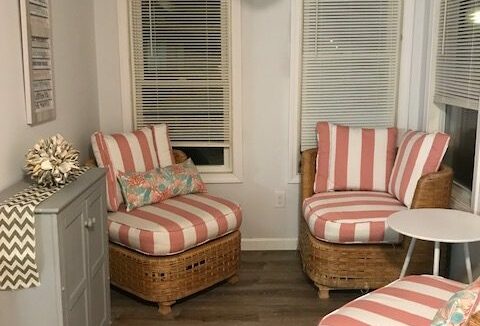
(358, 266)
(165, 279)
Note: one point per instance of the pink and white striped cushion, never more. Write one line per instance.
(129, 152)
(174, 225)
(352, 216)
(353, 158)
(418, 154)
(412, 300)
(161, 140)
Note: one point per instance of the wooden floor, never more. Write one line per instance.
(272, 291)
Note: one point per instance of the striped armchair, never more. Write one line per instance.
(331, 264)
(166, 250)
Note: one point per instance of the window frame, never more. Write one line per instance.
(404, 76)
(210, 174)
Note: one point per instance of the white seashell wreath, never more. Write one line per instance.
(51, 161)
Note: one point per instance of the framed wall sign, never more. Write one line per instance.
(37, 61)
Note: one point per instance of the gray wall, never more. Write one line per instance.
(75, 77)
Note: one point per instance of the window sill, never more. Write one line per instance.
(220, 178)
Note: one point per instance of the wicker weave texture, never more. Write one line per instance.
(169, 278)
(357, 266)
(354, 266)
(474, 320)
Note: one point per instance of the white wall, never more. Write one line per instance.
(108, 60)
(265, 101)
(75, 78)
(265, 104)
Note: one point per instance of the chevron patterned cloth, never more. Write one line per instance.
(18, 269)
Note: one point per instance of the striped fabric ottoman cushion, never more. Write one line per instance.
(174, 225)
(413, 300)
(352, 216)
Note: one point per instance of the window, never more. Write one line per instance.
(182, 75)
(458, 54)
(461, 125)
(457, 89)
(349, 64)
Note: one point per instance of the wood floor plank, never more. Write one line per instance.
(272, 290)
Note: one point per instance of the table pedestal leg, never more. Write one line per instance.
(436, 258)
(468, 263)
(408, 257)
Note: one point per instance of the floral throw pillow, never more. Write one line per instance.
(181, 179)
(140, 188)
(458, 309)
(144, 188)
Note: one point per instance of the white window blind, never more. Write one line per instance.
(458, 54)
(182, 70)
(350, 58)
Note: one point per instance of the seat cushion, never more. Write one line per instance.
(352, 216)
(351, 158)
(418, 154)
(412, 300)
(174, 225)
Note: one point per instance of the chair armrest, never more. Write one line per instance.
(179, 156)
(307, 171)
(474, 320)
(434, 189)
(91, 163)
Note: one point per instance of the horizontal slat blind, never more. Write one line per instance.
(458, 54)
(181, 68)
(350, 61)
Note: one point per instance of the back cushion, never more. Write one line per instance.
(139, 151)
(162, 145)
(418, 154)
(353, 158)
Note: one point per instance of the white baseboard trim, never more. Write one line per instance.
(269, 244)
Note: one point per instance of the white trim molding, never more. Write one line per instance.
(125, 67)
(236, 176)
(434, 117)
(475, 201)
(405, 69)
(251, 244)
(296, 22)
(415, 64)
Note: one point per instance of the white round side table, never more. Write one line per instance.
(438, 225)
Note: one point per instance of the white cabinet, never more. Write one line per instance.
(72, 255)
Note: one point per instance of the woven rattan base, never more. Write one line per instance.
(354, 266)
(165, 279)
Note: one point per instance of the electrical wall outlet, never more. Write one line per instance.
(279, 198)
